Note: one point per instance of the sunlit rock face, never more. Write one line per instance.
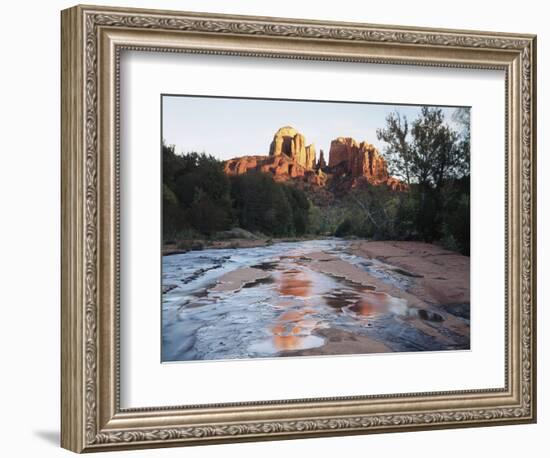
(281, 167)
(241, 165)
(291, 159)
(288, 141)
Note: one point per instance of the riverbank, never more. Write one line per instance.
(437, 293)
(198, 244)
(438, 276)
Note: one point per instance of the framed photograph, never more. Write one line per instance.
(279, 228)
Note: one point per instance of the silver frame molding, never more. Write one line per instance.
(92, 40)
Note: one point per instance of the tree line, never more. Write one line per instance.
(200, 199)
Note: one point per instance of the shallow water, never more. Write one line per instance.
(282, 314)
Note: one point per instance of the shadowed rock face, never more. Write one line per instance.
(358, 159)
(322, 163)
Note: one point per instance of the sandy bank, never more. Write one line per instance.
(439, 276)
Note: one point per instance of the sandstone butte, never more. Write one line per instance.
(291, 158)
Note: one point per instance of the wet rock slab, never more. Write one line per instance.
(235, 280)
(320, 297)
(443, 276)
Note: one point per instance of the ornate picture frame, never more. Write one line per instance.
(92, 41)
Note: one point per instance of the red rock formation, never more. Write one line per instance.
(241, 165)
(322, 163)
(396, 184)
(310, 156)
(341, 150)
(281, 167)
(290, 158)
(358, 159)
(290, 142)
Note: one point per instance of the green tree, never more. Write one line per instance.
(436, 155)
(261, 204)
(172, 215)
(430, 152)
(196, 193)
(456, 215)
(461, 118)
(208, 215)
(431, 156)
(299, 205)
(397, 150)
(372, 212)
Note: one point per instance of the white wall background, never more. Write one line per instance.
(29, 229)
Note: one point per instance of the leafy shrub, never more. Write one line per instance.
(344, 228)
(262, 205)
(196, 194)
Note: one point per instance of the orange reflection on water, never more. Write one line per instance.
(293, 328)
(291, 342)
(291, 315)
(300, 289)
(372, 303)
(294, 283)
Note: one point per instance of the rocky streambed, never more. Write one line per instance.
(316, 297)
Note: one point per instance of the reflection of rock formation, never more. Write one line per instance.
(292, 143)
(294, 327)
(293, 282)
(290, 158)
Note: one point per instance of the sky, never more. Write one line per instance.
(232, 127)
